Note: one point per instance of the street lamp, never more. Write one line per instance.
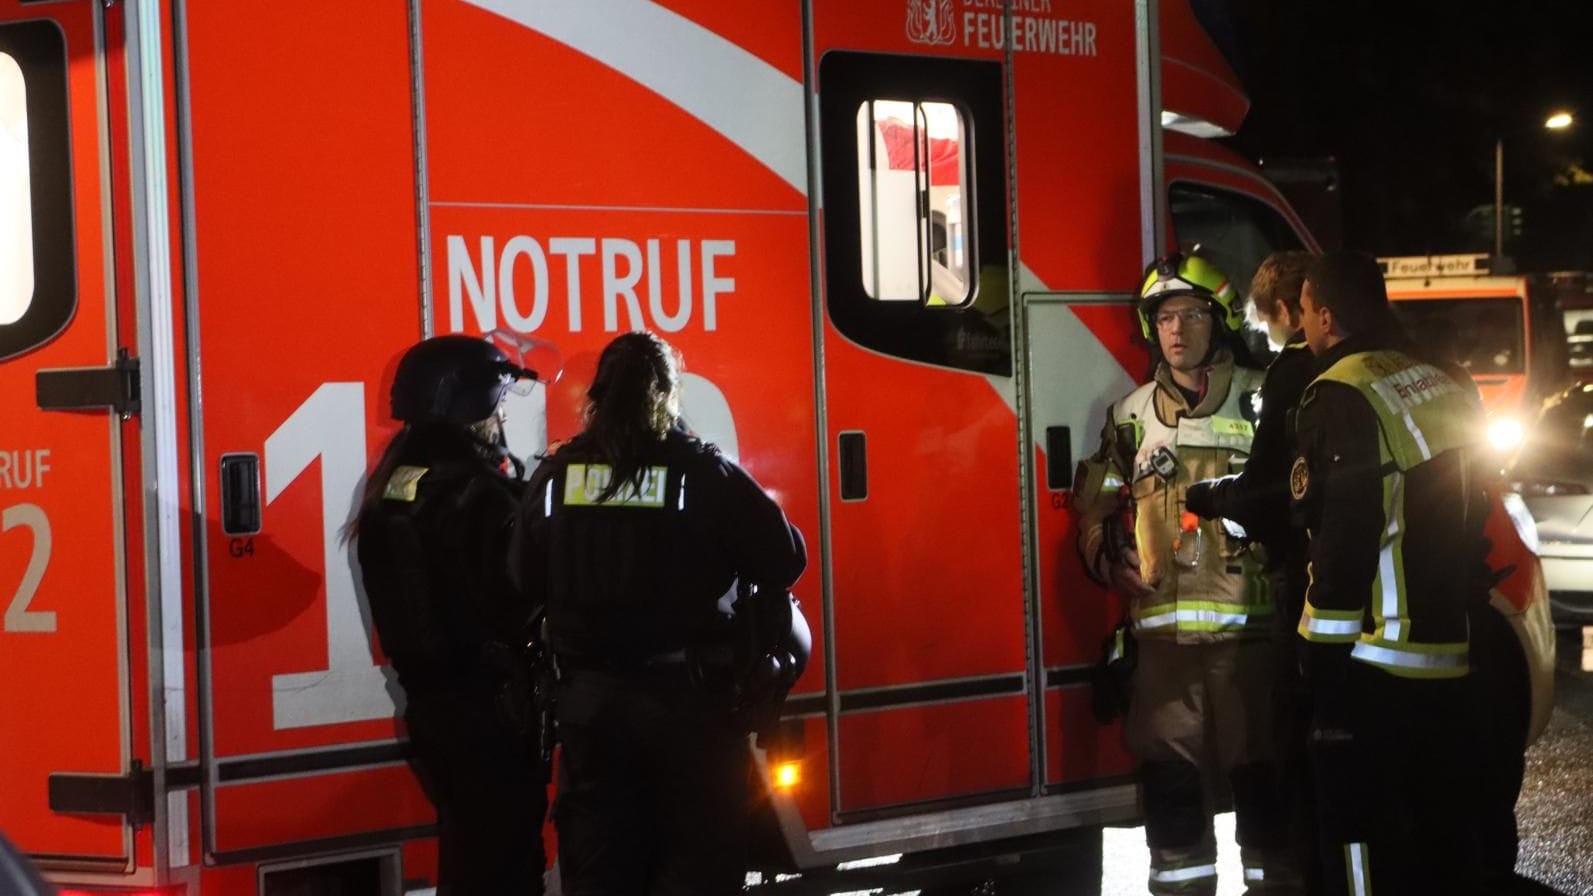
(1556, 122)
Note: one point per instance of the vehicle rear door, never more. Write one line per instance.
(63, 633)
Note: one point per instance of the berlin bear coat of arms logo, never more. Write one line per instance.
(930, 22)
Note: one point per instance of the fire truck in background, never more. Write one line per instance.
(896, 240)
(1507, 329)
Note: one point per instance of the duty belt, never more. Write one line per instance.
(667, 661)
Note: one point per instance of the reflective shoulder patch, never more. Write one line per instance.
(584, 483)
(1231, 426)
(402, 484)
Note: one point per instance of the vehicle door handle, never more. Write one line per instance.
(1058, 457)
(853, 466)
(240, 494)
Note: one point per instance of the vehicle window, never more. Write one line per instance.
(1485, 336)
(38, 281)
(16, 202)
(1579, 336)
(915, 230)
(1231, 229)
(1562, 440)
(910, 198)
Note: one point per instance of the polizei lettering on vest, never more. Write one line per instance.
(514, 278)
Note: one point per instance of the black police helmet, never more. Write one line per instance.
(452, 379)
(752, 656)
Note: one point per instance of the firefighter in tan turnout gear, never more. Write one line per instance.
(1200, 714)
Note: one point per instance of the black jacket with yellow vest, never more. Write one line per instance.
(1383, 486)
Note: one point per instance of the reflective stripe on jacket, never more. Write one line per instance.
(1421, 414)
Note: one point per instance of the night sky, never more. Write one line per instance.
(1407, 96)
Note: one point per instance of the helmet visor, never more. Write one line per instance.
(531, 360)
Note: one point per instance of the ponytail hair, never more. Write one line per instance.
(633, 402)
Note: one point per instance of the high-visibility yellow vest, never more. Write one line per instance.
(1421, 414)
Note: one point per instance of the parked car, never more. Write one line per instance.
(1553, 473)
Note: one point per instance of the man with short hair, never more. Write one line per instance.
(1258, 500)
(1196, 595)
(1382, 481)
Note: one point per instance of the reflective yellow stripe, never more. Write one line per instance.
(1204, 615)
(1358, 869)
(1330, 626)
(1388, 590)
(1409, 660)
(1182, 875)
(1118, 648)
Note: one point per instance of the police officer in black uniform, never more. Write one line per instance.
(632, 531)
(432, 538)
(1258, 500)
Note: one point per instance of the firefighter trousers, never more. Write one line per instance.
(654, 794)
(1396, 785)
(1200, 725)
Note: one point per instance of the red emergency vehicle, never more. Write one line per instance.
(896, 240)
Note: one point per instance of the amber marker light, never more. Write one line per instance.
(787, 774)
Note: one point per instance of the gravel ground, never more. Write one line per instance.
(1555, 814)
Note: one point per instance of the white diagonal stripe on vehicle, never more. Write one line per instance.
(750, 102)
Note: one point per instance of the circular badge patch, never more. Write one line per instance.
(1299, 479)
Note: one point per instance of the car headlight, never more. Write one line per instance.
(1504, 433)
